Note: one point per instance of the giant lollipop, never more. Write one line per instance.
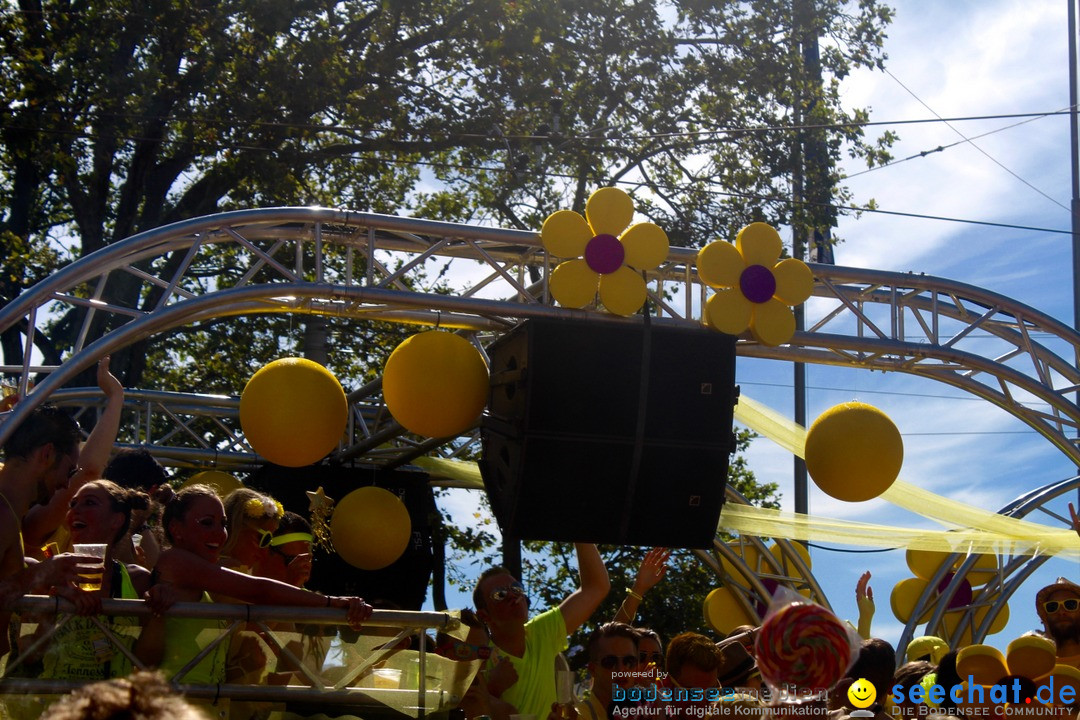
(804, 645)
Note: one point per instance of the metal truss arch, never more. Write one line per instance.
(365, 266)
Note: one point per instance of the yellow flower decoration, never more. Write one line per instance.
(754, 287)
(263, 508)
(604, 260)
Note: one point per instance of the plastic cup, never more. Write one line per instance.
(90, 578)
(386, 678)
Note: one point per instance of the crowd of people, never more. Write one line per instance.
(191, 545)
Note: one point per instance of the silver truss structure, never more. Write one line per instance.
(364, 266)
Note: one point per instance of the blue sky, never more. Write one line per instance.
(948, 59)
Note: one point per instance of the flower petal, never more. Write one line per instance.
(623, 291)
(565, 234)
(573, 284)
(609, 210)
(646, 246)
(719, 265)
(794, 281)
(759, 244)
(773, 323)
(728, 311)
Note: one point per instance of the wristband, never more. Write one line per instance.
(634, 595)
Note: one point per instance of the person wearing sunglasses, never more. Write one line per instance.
(289, 556)
(1058, 606)
(613, 662)
(251, 518)
(531, 645)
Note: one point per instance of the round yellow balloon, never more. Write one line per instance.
(905, 596)
(436, 384)
(854, 452)
(724, 613)
(293, 412)
(222, 482)
(370, 528)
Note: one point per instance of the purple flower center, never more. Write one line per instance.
(757, 283)
(604, 254)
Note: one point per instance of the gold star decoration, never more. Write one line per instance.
(321, 507)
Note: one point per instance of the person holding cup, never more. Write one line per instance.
(97, 521)
(42, 459)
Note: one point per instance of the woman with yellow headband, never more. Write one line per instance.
(289, 558)
(252, 519)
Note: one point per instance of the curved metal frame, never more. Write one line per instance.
(338, 263)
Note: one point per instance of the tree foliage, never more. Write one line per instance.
(119, 116)
(123, 116)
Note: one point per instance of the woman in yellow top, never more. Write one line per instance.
(194, 523)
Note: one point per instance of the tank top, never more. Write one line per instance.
(184, 639)
(81, 651)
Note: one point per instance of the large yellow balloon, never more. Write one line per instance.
(435, 384)
(370, 528)
(293, 412)
(222, 482)
(854, 452)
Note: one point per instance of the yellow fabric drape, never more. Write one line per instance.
(970, 529)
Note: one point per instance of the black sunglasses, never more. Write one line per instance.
(655, 657)
(1052, 606)
(512, 590)
(609, 662)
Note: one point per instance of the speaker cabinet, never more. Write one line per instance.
(609, 433)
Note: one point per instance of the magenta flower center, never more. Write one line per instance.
(757, 283)
(604, 254)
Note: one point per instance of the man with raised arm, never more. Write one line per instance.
(41, 459)
(530, 646)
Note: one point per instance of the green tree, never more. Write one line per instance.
(121, 117)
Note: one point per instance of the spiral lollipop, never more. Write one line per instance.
(802, 645)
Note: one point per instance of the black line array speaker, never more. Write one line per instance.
(609, 433)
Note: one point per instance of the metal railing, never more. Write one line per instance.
(349, 675)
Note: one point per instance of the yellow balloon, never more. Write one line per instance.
(293, 412)
(435, 384)
(801, 550)
(719, 264)
(773, 323)
(573, 284)
(854, 452)
(724, 613)
(623, 291)
(370, 528)
(609, 210)
(905, 594)
(565, 234)
(728, 311)
(924, 563)
(222, 482)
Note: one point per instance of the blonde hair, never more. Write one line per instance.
(142, 696)
(244, 507)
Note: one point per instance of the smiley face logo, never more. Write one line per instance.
(862, 693)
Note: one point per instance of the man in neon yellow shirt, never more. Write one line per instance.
(530, 646)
